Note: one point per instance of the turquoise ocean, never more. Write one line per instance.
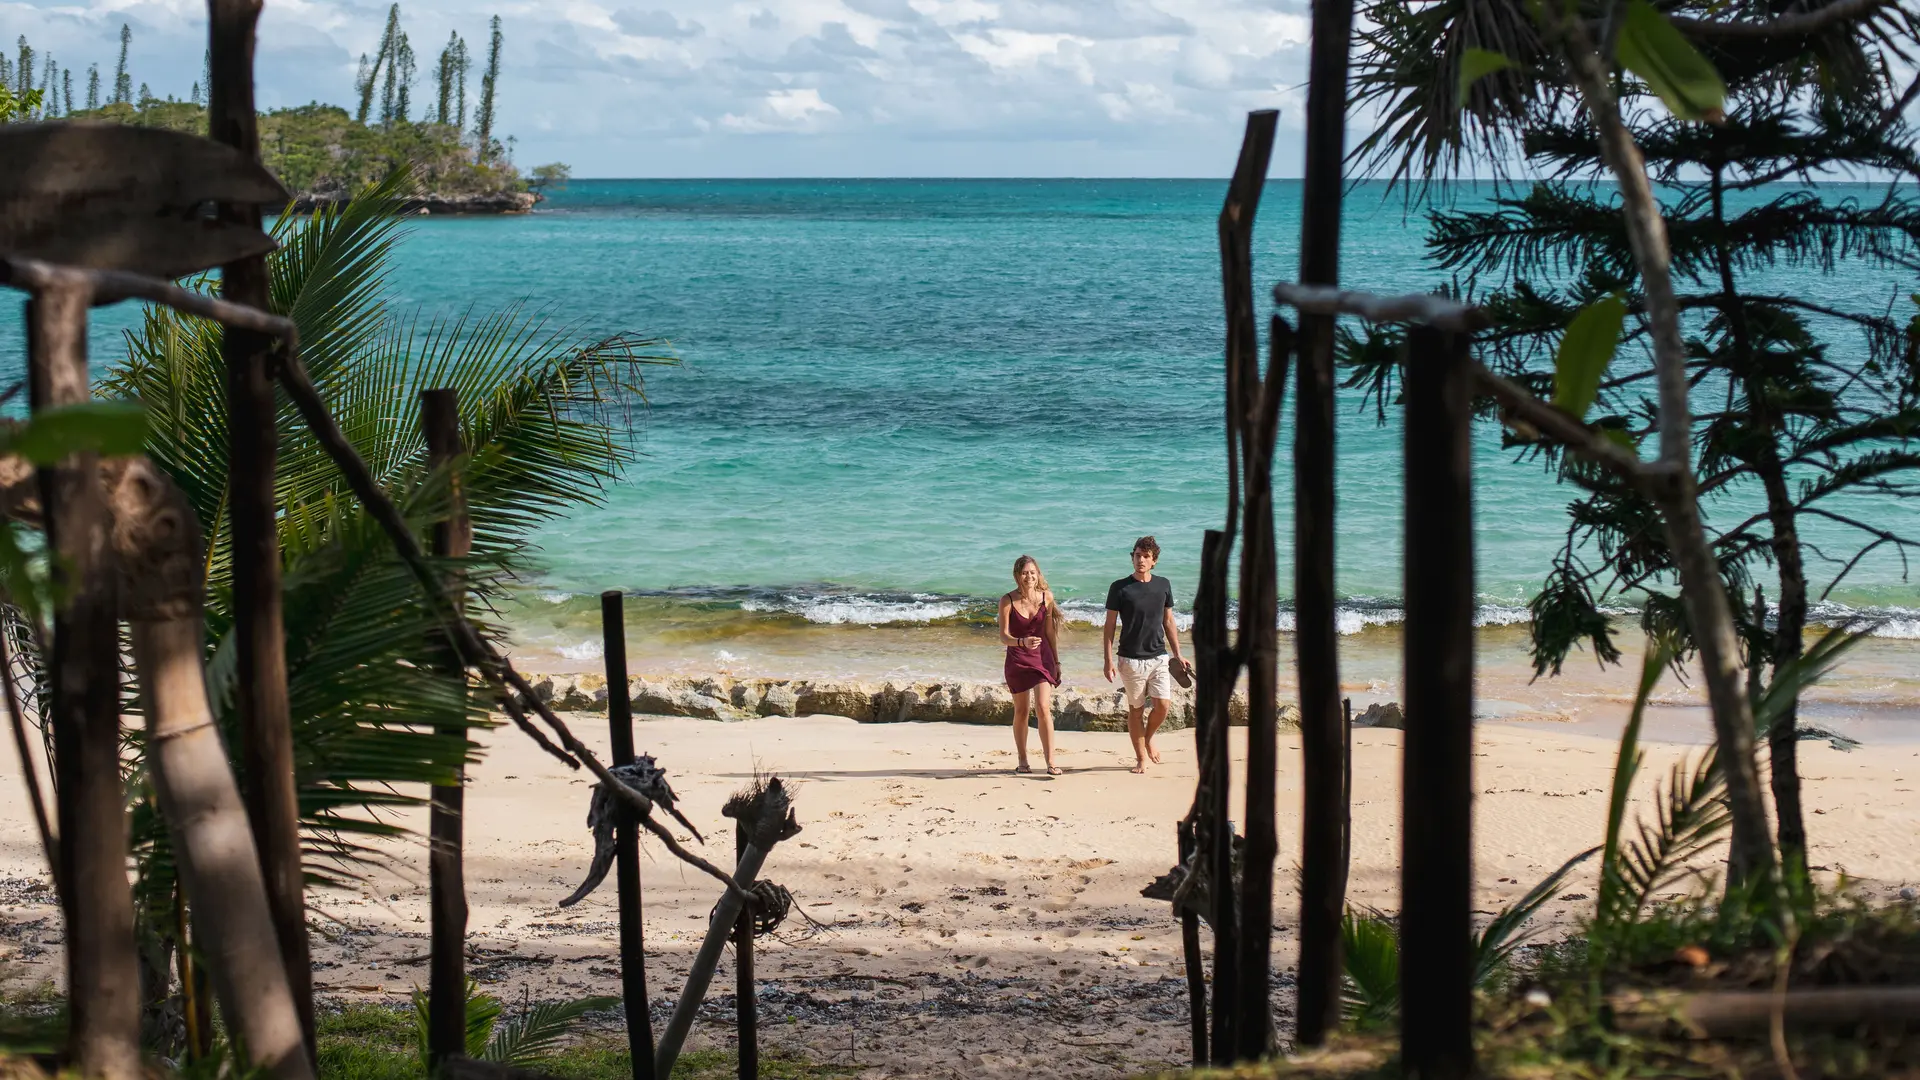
(891, 388)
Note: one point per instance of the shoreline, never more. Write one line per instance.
(1874, 696)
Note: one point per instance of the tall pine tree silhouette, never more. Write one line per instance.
(122, 80)
(483, 124)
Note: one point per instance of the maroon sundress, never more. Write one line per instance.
(1028, 668)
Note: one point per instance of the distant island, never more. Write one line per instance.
(324, 153)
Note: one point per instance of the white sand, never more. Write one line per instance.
(980, 922)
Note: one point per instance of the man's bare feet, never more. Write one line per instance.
(1139, 768)
(1152, 754)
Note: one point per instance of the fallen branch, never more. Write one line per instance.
(1722, 1013)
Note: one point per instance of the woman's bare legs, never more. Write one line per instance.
(1020, 730)
(1043, 704)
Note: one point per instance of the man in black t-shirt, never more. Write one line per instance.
(1142, 606)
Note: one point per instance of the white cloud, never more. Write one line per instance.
(853, 87)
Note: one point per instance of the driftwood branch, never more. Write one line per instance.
(1799, 24)
(113, 286)
(1725, 1013)
(1435, 311)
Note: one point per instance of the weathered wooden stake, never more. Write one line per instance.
(103, 989)
(1215, 668)
(626, 840)
(1436, 813)
(447, 975)
(266, 735)
(746, 1000)
(1190, 948)
(1252, 403)
(775, 811)
(1323, 872)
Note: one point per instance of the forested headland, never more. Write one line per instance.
(441, 126)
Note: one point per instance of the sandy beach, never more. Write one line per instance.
(975, 922)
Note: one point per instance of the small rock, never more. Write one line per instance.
(779, 700)
(1383, 714)
(1908, 893)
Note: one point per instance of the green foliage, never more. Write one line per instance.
(1671, 67)
(1585, 351)
(1801, 402)
(525, 1040)
(98, 427)
(375, 717)
(18, 107)
(555, 175)
(1477, 64)
(1370, 949)
(1370, 945)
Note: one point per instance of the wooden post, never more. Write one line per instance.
(260, 657)
(1215, 669)
(447, 975)
(1252, 403)
(103, 990)
(626, 841)
(1190, 948)
(1436, 813)
(1323, 873)
(746, 1000)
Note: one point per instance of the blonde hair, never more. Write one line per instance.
(1055, 617)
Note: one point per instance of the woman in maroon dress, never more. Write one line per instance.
(1030, 628)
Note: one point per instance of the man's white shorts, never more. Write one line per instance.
(1146, 679)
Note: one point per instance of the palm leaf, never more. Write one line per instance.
(528, 1038)
(1370, 949)
(375, 720)
(482, 1011)
(1494, 945)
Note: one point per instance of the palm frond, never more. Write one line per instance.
(1493, 945)
(376, 717)
(1370, 949)
(528, 1038)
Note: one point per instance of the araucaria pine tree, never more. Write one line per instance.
(391, 40)
(483, 125)
(451, 73)
(403, 63)
(1800, 397)
(23, 70)
(463, 64)
(93, 87)
(122, 80)
(66, 92)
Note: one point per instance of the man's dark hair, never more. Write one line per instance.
(1147, 544)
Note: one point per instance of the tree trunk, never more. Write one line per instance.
(260, 651)
(158, 545)
(447, 973)
(103, 974)
(1708, 610)
(1783, 741)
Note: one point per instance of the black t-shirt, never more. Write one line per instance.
(1142, 606)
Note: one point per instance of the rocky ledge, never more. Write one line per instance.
(499, 202)
(726, 698)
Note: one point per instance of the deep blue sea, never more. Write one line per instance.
(891, 388)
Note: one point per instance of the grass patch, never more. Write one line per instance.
(371, 1042)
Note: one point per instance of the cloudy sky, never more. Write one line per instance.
(784, 87)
